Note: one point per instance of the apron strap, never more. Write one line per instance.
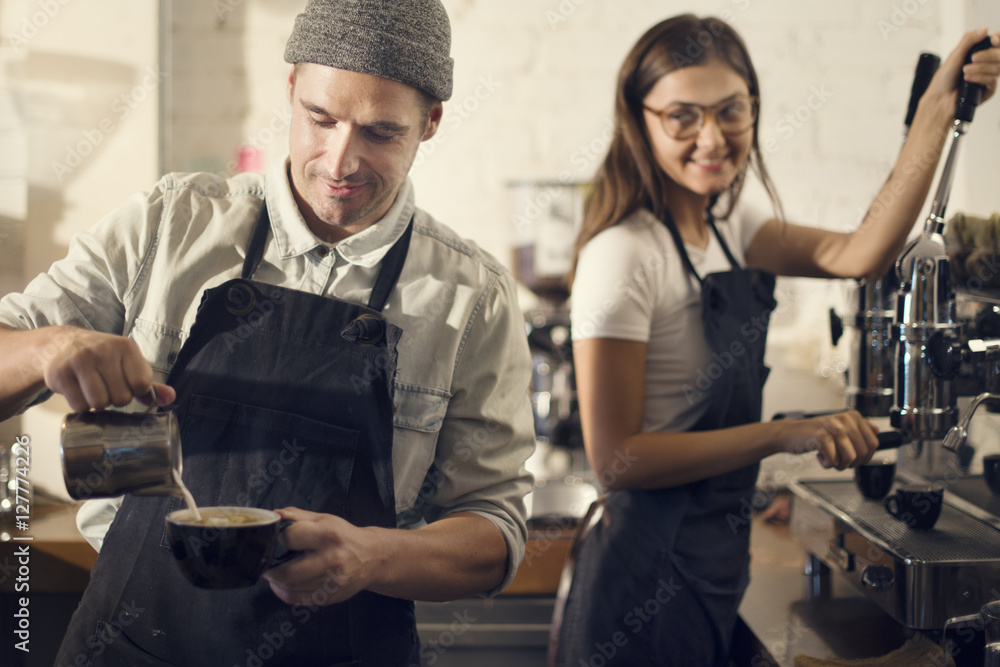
(594, 514)
(392, 266)
(388, 273)
(668, 221)
(725, 246)
(255, 251)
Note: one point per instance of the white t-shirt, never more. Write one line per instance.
(631, 284)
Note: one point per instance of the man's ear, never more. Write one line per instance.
(433, 120)
(291, 83)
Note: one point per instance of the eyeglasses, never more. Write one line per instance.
(734, 116)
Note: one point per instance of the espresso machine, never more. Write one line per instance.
(924, 338)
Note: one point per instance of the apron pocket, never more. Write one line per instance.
(252, 456)
(109, 647)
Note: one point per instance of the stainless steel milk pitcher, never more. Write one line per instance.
(108, 453)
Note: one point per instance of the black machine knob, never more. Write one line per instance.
(877, 577)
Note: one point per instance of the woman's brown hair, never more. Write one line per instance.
(630, 178)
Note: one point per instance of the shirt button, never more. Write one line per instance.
(172, 357)
(323, 251)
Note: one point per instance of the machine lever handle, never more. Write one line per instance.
(927, 65)
(971, 94)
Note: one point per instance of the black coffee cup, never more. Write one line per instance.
(874, 479)
(916, 505)
(231, 548)
(991, 472)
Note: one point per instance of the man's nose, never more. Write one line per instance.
(342, 157)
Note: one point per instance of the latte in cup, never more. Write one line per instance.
(222, 516)
(227, 547)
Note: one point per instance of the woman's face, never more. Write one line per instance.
(708, 162)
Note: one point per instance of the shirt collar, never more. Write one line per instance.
(293, 237)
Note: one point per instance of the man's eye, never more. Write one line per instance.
(380, 138)
(322, 122)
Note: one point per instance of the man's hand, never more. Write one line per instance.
(339, 559)
(95, 370)
(456, 556)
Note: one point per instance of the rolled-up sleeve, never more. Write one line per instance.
(488, 432)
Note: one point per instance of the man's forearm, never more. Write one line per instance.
(458, 556)
(22, 366)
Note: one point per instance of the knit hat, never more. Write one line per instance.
(407, 41)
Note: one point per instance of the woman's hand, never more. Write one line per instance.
(984, 69)
(841, 440)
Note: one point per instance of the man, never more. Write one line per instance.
(330, 349)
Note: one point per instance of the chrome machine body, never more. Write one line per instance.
(941, 346)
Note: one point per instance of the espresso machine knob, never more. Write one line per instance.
(878, 578)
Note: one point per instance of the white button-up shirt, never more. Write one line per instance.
(463, 425)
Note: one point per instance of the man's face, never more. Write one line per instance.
(352, 140)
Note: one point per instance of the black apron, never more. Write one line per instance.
(659, 579)
(285, 399)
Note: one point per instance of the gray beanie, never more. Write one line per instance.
(403, 40)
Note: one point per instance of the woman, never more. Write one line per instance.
(669, 316)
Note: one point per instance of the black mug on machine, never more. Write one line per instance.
(874, 479)
(231, 547)
(916, 505)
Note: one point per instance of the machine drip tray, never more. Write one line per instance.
(957, 537)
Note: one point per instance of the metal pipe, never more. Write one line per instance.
(958, 434)
(935, 220)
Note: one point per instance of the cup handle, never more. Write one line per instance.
(890, 502)
(283, 554)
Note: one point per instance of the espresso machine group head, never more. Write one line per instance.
(927, 332)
